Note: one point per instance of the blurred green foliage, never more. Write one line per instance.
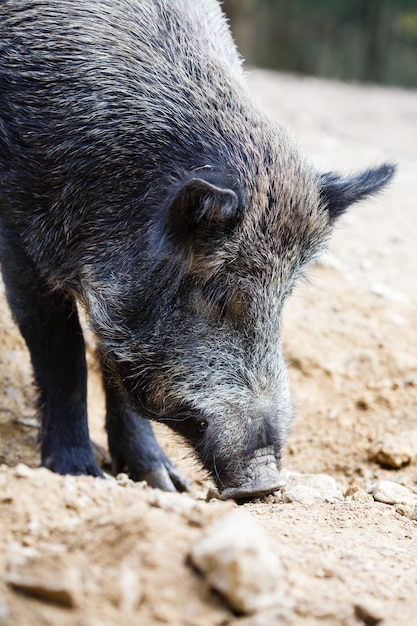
(361, 40)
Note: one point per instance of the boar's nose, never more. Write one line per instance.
(259, 477)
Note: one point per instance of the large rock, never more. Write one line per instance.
(238, 562)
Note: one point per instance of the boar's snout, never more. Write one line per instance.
(260, 477)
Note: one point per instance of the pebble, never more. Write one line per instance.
(310, 489)
(356, 494)
(395, 450)
(172, 501)
(389, 492)
(238, 562)
(27, 421)
(23, 471)
(369, 611)
(123, 479)
(384, 291)
(55, 590)
(48, 579)
(4, 610)
(303, 495)
(408, 510)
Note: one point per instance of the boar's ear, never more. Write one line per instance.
(200, 208)
(339, 192)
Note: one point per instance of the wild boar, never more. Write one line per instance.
(139, 180)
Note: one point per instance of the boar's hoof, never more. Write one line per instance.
(167, 478)
(76, 461)
(260, 477)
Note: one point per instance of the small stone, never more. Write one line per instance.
(42, 576)
(56, 590)
(356, 494)
(310, 489)
(123, 479)
(384, 291)
(23, 471)
(302, 495)
(369, 611)
(237, 561)
(140, 485)
(392, 493)
(4, 610)
(172, 501)
(395, 450)
(32, 422)
(34, 526)
(407, 510)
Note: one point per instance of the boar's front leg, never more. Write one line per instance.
(133, 446)
(48, 321)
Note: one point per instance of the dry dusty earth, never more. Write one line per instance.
(107, 553)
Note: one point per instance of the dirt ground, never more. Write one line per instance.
(119, 553)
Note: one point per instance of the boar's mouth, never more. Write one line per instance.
(259, 478)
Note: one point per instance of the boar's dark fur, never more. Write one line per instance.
(139, 180)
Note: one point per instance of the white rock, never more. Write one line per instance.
(43, 576)
(392, 493)
(369, 611)
(356, 494)
(23, 471)
(384, 291)
(172, 501)
(302, 495)
(122, 479)
(322, 482)
(58, 589)
(237, 561)
(4, 610)
(310, 489)
(395, 450)
(408, 510)
(27, 421)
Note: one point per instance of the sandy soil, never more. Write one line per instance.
(119, 553)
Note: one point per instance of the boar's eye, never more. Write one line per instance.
(219, 303)
(203, 425)
(208, 302)
(230, 304)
